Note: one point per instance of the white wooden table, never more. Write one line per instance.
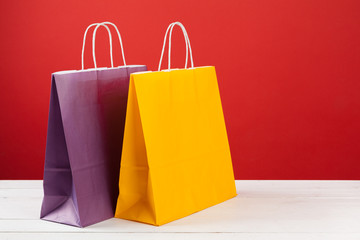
(262, 210)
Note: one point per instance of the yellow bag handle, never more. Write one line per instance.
(187, 43)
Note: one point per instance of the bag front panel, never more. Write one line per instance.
(186, 141)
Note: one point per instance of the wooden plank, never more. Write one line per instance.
(311, 215)
(20, 208)
(246, 188)
(14, 184)
(180, 236)
(262, 210)
(303, 188)
(21, 193)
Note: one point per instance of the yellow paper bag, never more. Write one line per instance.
(175, 157)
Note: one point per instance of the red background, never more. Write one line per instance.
(288, 74)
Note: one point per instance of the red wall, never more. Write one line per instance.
(288, 73)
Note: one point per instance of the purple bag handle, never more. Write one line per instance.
(120, 41)
(84, 41)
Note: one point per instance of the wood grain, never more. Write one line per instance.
(262, 210)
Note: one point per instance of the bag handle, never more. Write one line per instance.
(84, 41)
(187, 43)
(120, 41)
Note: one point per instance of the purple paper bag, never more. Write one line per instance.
(84, 141)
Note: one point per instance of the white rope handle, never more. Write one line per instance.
(187, 43)
(120, 41)
(84, 41)
(186, 38)
(171, 27)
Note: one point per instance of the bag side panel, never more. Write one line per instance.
(135, 201)
(81, 113)
(113, 87)
(58, 204)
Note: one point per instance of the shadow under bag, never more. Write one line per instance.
(84, 139)
(176, 158)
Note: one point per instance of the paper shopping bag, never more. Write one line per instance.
(176, 158)
(84, 139)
